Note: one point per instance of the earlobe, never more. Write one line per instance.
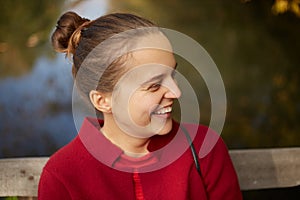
(101, 101)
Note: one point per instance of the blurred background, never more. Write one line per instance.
(254, 43)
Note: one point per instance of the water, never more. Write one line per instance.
(35, 111)
(36, 83)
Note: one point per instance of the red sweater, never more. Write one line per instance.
(90, 167)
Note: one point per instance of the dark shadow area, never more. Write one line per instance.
(292, 193)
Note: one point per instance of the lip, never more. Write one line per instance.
(163, 116)
(165, 106)
(169, 105)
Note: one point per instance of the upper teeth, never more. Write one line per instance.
(163, 110)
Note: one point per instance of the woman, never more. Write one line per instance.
(124, 66)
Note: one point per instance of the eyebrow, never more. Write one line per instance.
(153, 79)
(158, 77)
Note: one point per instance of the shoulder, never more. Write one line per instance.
(65, 157)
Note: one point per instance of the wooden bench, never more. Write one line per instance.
(256, 169)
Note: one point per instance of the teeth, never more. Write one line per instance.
(163, 111)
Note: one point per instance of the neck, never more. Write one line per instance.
(132, 146)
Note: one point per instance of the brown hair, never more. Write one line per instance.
(77, 37)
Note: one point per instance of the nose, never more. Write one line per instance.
(173, 91)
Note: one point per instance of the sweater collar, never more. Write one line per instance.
(107, 153)
(96, 143)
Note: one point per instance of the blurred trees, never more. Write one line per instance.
(24, 31)
(282, 6)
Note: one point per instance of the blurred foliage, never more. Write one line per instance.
(282, 6)
(256, 52)
(24, 31)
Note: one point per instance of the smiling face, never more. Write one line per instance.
(143, 97)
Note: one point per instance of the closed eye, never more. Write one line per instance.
(154, 87)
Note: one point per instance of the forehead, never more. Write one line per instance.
(152, 48)
(145, 64)
(151, 56)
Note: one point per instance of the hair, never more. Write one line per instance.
(78, 37)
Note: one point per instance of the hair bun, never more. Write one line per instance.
(63, 38)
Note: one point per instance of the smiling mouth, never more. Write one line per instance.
(163, 111)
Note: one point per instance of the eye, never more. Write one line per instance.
(154, 87)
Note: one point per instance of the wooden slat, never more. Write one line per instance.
(256, 169)
(20, 176)
(267, 168)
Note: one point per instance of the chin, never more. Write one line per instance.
(167, 127)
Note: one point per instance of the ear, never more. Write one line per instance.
(101, 101)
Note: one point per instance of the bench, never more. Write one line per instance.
(256, 169)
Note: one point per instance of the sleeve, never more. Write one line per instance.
(219, 176)
(51, 188)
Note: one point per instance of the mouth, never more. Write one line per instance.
(162, 111)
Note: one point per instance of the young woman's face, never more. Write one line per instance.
(143, 97)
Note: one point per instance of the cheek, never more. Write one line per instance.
(141, 106)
